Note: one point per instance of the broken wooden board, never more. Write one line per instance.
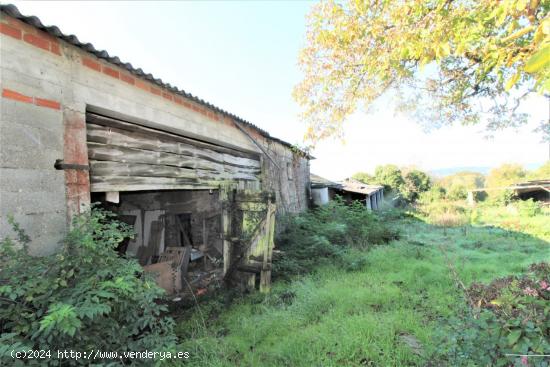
(166, 276)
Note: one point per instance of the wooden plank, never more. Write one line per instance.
(118, 137)
(186, 241)
(257, 144)
(105, 152)
(111, 122)
(164, 276)
(121, 180)
(107, 168)
(185, 262)
(265, 275)
(112, 168)
(154, 237)
(241, 162)
(107, 186)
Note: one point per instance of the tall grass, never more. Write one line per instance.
(335, 314)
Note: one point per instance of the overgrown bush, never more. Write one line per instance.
(511, 317)
(86, 297)
(436, 193)
(324, 233)
(528, 208)
(446, 214)
(501, 198)
(457, 192)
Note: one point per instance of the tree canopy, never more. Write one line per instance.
(541, 173)
(408, 183)
(446, 61)
(505, 175)
(469, 180)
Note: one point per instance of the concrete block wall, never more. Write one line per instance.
(31, 139)
(47, 86)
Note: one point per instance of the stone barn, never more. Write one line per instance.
(79, 126)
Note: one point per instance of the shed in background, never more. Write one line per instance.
(324, 190)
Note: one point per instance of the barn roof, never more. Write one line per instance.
(349, 185)
(319, 182)
(521, 187)
(352, 185)
(54, 31)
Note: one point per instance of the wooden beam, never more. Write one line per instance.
(255, 142)
(157, 132)
(112, 168)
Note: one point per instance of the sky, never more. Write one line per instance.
(242, 56)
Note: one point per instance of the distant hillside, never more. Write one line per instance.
(452, 170)
(441, 172)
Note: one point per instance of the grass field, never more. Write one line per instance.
(385, 310)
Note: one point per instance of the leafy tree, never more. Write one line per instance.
(457, 191)
(364, 177)
(542, 173)
(415, 182)
(390, 176)
(434, 194)
(468, 180)
(505, 175)
(408, 185)
(441, 57)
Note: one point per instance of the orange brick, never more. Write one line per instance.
(70, 176)
(37, 41)
(10, 31)
(24, 27)
(140, 84)
(127, 78)
(168, 96)
(92, 64)
(47, 103)
(111, 72)
(10, 94)
(54, 48)
(82, 177)
(156, 91)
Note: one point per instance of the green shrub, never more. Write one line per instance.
(528, 208)
(501, 198)
(512, 316)
(457, 192)
(322, 235)
(86, 297)
(436, 193)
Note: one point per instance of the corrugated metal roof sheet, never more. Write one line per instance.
(318, 181)
(34, 21)
(352, 185)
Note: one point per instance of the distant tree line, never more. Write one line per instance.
(407, 185)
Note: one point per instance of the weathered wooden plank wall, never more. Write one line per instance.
(128, 157)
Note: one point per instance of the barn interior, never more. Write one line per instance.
(167, 220)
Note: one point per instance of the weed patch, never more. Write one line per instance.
(325, 235)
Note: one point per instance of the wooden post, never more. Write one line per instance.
(225, 196)
(265, 275)
(368, 202)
